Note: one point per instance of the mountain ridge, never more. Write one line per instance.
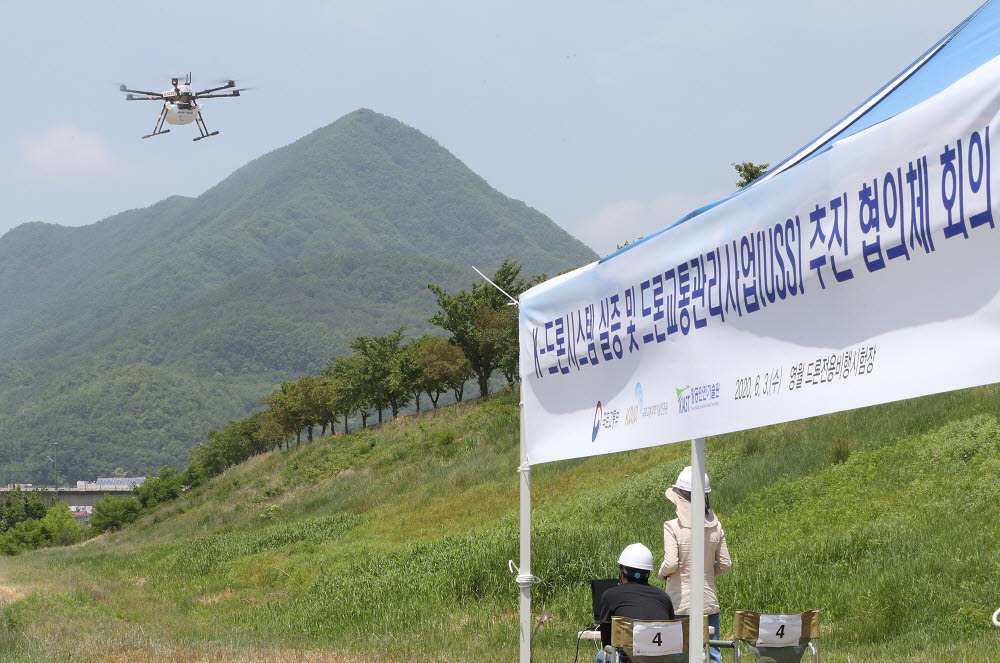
(218, 241)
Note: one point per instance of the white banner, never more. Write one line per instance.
(868, 273)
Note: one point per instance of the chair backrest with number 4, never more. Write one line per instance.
(777, 638)
(646, 641)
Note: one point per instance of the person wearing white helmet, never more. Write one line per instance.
(676, 567)
(634, 597)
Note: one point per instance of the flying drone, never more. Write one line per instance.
(180, 104)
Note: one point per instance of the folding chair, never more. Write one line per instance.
(645, 641)
(777, 638)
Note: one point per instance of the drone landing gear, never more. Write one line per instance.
(158, 129)
(202, 129)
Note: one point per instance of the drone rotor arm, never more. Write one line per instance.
(228, 85)
(234, 93)
(150, 94)
(132, 97)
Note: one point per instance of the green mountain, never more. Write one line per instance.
(125, 340)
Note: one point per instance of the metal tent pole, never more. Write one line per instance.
(524, 578)
(696, 620)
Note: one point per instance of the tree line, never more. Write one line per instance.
(382, 375)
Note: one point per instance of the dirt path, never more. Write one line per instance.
(9, 594)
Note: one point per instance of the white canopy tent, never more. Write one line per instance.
(860, 270)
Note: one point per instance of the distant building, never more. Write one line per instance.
(82, 514)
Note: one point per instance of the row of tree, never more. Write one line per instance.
(383, 374)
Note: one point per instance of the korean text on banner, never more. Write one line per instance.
(863, 275)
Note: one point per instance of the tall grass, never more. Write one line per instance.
(394, 542)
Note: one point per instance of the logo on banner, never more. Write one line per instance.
(603, 419)
(597, 422)
(683, 400)
(641, 410)
(697, 398)
(633, 411)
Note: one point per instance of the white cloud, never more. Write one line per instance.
(66, 151)
(628, 220)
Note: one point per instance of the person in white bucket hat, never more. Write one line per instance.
(676, 567)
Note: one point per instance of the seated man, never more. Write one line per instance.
(634, 597)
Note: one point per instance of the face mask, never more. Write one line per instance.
(686, 494)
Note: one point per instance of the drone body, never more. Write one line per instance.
(180, 107)
(180, 104)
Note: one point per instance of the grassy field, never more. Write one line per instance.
(392, 544)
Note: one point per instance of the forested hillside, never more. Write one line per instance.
(126, 340)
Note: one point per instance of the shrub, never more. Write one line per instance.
(191, 476)
(26, 535)
(841, 450)
(165, 486)
(17, 506)
(60, 527)
(112, 512)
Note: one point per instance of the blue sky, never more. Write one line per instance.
(612, 118)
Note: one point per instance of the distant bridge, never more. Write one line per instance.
(84, 493)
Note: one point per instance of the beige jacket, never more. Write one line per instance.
(676, 567)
